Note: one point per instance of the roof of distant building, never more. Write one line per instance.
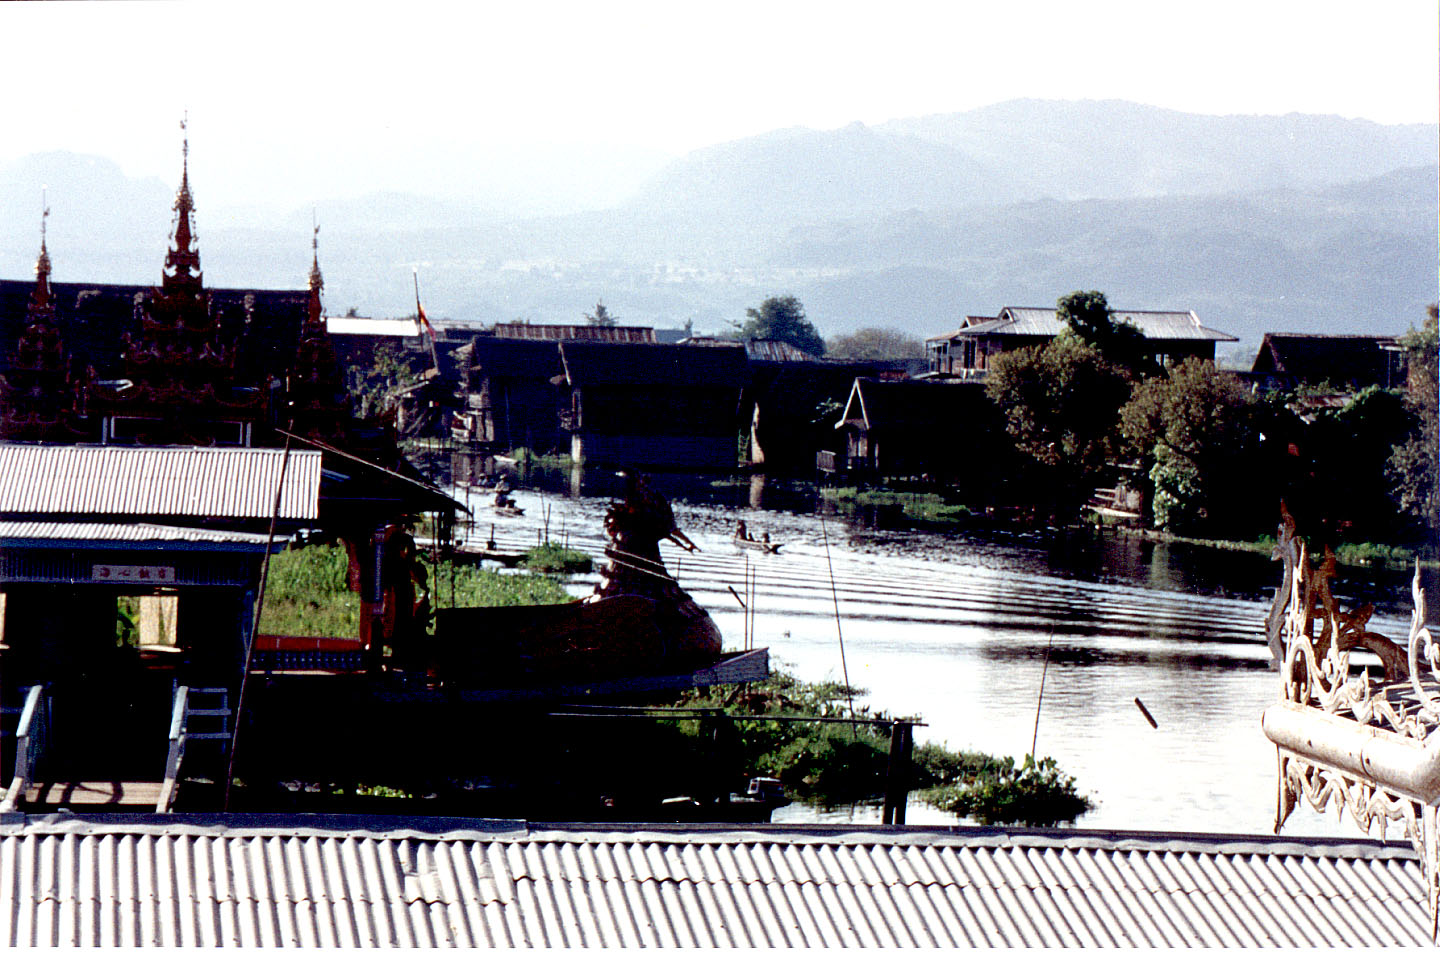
(560, 331)
(96, 481)
(348, 881)
(1357, 359)
(651, 364)
(909, 404)
(1046, 322)
(970, 321)
(372, 327)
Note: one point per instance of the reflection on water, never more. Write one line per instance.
(957, 629)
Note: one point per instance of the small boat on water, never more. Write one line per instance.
(509, 510)
(745, 541)
(764, 546)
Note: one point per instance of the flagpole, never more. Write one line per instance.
(423, 321)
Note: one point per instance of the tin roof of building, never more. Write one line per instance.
(651, 364)
(1154, 324)
(44, 534)
(911, 404)
(1359, 359)
(95, 481)
(372, 327)
(574, 331)
(345, 881)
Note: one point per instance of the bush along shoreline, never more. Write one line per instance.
(832, 764)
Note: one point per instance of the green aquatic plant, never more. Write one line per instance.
(929, 507)
(1035, 794)
(551, 557)
(835, 763)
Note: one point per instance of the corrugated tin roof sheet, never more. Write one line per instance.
(157, 481)
(16, 532)
(651, 364)
(147, 880)
(775, 351)
(563, 331)
(371, 327)
(1155, 324)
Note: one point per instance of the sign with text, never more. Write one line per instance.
(130, 574)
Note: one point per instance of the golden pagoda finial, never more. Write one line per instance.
(315, 317)
(42, 265)
(40, 299)
(182, 263)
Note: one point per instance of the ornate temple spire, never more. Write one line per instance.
(182, 262)
(315, 317)
(41, 301)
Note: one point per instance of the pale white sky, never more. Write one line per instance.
(352, 94)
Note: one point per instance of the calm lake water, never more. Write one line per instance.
(956, 630)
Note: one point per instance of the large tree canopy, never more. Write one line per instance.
(1194, 428)
(1412, 464)
(1060, 404)
(876, 343)
(783, 318)
(1087, 315)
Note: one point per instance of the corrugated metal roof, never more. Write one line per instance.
(1155, 324)
(18, 532)
(651, 364)
(371, 327)
(157, 481)
(775, 350)
(563, 331)
(146, 880)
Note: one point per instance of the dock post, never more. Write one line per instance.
(897, 775)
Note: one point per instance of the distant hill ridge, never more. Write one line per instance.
(1029, 150)
(1304, 223)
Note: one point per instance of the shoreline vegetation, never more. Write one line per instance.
(934, 509)
(1380, 555)
(828, 764)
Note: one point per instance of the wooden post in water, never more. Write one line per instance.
(897, 776)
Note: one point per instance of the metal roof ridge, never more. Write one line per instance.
(849, 834)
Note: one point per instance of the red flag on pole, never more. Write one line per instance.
(420, 311)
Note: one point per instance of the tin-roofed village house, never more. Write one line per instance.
(967, 352)
(652, 404)
(1347, 362)
(508, 399)
(936, 429)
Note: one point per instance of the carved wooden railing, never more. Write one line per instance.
(1344, 736)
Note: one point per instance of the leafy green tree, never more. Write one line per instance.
(390, 371)
(877, 343)
(1412, 467)
(1349, 451)
(601, 317)
(1086, 314)
(1197, 432)
(1060, 403)
(783, 318)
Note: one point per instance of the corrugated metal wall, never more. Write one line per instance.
(83, 884)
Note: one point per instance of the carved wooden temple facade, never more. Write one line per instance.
(175, 364)
(1360, 737)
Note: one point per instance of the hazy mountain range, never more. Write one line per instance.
(1299, 223)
